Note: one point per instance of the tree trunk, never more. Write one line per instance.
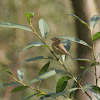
(85, 10)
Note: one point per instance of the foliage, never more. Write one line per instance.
(45, 72)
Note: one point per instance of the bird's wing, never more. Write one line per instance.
(61, 48)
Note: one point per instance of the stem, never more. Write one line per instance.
(94, 55)
(34, 31)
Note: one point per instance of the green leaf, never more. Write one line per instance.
(37, 58)
(96, 36)
(19, 88)
(20, 74)
(80, 59)
(58, 94)
(94, 21)
(79, 19)
(44, 28)
(14, 25)
(33, 44)
(9, 72)
(67, 45)
(96, 91)
(27, 98)
(61, 84)
(75, 40)
(92, 88)
(96, 63)
(46, 75)
(10, 84)
(82, 67)
(29, 15)
(86, 87)
(44, 68)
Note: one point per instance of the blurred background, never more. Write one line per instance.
(55, 13)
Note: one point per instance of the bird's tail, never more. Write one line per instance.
(69, 55)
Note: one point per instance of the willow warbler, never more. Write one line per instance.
(58, 47)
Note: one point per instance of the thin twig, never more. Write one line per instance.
(94, 55)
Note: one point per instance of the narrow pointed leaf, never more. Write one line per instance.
(8, 72)
(82, 67)
(27, 98)
(44, 28)
(20, 74)
(37, 58)
(33, 44)
(9, 84)
(14, 25)
(67, 45)
(94, 21)
(80, 59)
(19, 88)
(29, 15)
(63, 57)
(75, 40)
(62, 83)
(96, 91)
(92, 88)
(96, 36)
(44, 68)
(86, 87)
(79, 19)
(34, 58)
(46, 75)
(58, 94)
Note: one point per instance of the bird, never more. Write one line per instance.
(58, 47)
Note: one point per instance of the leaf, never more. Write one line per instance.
(37, 58)
(20, 74)
(29, 15)
(79, 19)
(96, 91)
(96, 36)
(82, 67)
(9, 72)
(80, 59)
(86, 87)
(33, 44)
(75, 40)
(14, 25)
(92, 88)
(44, 68)
(94, 21)
(19, 88)
(44, 28)
(10, 84)
(58, 94)
(27, 98)
(67, 44)
(96, 63)
(46, 75)
(61, 84)
(63, 57)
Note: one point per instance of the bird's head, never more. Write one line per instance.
(55, 39)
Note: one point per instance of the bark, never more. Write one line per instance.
(85, 10)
